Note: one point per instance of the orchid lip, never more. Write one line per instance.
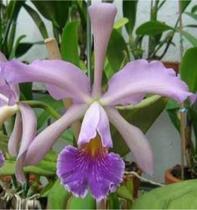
(4, 98)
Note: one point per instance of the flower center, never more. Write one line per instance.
(94, 147)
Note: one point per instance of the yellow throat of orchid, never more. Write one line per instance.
(94, 147)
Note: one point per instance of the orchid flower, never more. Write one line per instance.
(23, 132)
(2, 159)
(91, 165)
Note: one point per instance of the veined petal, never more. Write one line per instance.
(6, 112)
(43, 142)
(95, 121)
(140, 77)
(15, 138)
(102, 18)
(29, 125)
(67, 78)
(79, 172)
(135, 140)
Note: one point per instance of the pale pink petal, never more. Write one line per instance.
(67, 78)
(15, 138)
(43, 142)
(135, 140)
(2, 57)
(95, 121)
(29, 125)
(102, 18)
(140, 77)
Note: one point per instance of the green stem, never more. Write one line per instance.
(43, 105)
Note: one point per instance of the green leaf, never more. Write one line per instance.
(194, 9)
(120, 23)
(26, 91)
(152, 28)
(129, 11)
(55, 11)
(117, 52)
(37, 20)
(78, 203)
(57, 196)
(22, 48)
(184, 4)
(125, 193)
(44, 168)
(190, 38)
(69, 44)
(194, 16)
(174, 196)
(188, 68)
(151, 110)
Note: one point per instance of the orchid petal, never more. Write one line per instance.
(140, 77)
(29, 124)
(15, 138)
(66, 77)
(95, 120)
(43, 142)
(79, 172)
(6, 112)
(135, 140)
(2, 159)
(102, 18)
(2, 57)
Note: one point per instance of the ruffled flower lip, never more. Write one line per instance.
(90, 168)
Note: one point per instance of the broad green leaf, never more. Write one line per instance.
(13, 9)
(22, 48)
(194, 9)
(174, 196)
(57, 196)
(188, 68)
(117, 52)
(190, 38)
(125, 193)
(129, 11)
(69, 44)
(56, 11)
(194, 16)
(184, 4)
(44, 168)
(151, 110)
(120, 23)
(26, 91)
(81, 203)
(152, 28)
(37, 20)
(172, 110)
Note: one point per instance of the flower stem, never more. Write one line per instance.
(43, 105)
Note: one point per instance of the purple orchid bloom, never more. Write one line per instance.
(23, 132)
(91, 166)
(2, 159)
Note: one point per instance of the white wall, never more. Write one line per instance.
(163, 137)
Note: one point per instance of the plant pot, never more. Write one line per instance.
(172, 65)
(170, 178)
(173, 175)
